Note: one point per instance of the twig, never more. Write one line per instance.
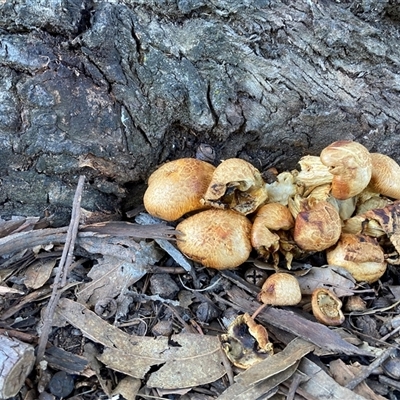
(385, 380)
(297, 379)
(13, 333)
(366, 371)
(228, 368)
(386, 337)
(188, 328)
(61, 276)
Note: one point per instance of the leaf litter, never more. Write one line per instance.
(113, 260)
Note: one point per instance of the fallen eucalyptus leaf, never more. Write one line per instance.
(186, 359)
(333, 278)
(127, 387)
(124, 262)
(279, 362)
(5, 289)
(322, 386)
(37, 274)
(263, 390)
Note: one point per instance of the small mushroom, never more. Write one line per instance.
(317, 226)
(351, 166)
(246, 343)
(326, 307)
(280, 289)
(236, 185)
(177, 187)
(216, 238)
(270, 217)
(361, 255)
(385, 176)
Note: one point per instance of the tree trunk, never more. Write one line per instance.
(112, 89)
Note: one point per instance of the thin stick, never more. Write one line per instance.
(61, 276)
(366, 371)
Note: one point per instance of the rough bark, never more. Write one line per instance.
(112, 89)
(16, 360)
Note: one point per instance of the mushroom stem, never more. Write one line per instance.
(259, 309)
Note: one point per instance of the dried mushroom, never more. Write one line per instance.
(246, 342)
(216, 238)
(360, 224)
(177, 187)
(317, 226)
(282, 189)
(351, 166)
(236, 185)
(270, 217)
(313, 172)
(389, 220)
(361, 255)
(326, 307)
(385, 176)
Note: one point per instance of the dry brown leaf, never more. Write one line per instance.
(127, 387)
(333, 278)
(90, 353)
(264, 389)
(267, 374)
(124, 262)
(187, 359)
(37, 274)
(190, 360)
(279, 362)
(322, 386)
(343, 374)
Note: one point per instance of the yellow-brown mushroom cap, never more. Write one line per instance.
(350, 163)
(236, 185)
(327, 307)
(385, 177)
(280, 289)
(361, 255)
(177, 187)
(317, 227)
(216, 238)
(275, 216)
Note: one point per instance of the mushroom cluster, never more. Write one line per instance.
(326, 206)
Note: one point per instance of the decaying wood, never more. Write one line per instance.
(16, 360)
(42, 237)
(63, 360)
(129, 229)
